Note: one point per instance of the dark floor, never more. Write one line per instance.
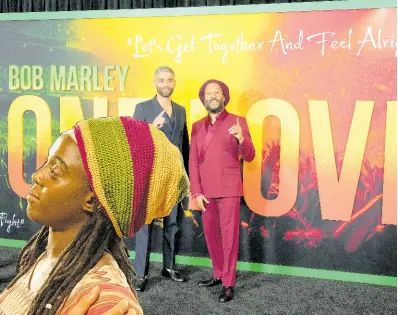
(256, 293)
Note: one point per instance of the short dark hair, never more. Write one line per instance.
(164, 69)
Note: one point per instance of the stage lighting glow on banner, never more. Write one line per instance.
(320, 98)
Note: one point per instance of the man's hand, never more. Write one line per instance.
(82, 307)
(159, 120)
(236, 130)
(200, 201)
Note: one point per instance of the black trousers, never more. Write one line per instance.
(143, 244)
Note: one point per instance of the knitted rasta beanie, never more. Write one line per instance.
(136, 173)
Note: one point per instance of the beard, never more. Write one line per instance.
(165, 92)
(214, 110)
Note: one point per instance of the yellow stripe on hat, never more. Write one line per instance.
(165, 178)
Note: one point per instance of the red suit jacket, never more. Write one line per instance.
(214, 165)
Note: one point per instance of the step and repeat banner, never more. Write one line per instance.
(318, 89)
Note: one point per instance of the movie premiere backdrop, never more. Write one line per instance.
(318, 89)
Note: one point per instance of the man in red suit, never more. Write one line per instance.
(217, 142)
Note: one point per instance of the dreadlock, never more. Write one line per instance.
(90, 244)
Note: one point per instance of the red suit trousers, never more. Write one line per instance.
(221, 226)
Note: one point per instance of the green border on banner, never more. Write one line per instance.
(264, 268)
(213, 10)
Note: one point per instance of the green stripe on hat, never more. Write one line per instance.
(112, 152)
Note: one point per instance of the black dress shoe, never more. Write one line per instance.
(173, 275)
(227, 294)
(210, 282)
(140, 283)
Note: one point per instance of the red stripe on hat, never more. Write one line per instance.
(80, 144)
(142, 151)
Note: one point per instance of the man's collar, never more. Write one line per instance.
(156, 99)
(222, 115)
